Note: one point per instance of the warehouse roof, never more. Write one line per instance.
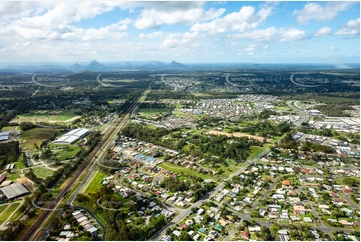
(14, 190)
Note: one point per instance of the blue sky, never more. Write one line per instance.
(211, 31)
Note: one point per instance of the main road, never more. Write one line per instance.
(36, 229)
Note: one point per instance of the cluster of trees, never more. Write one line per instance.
(287, 143)
(268, 129)
(9, 152)
(27, 126)
(308, 146)
(144, 132)
(174, 185)
(168, 94)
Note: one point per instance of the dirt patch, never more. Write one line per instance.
(237, 135)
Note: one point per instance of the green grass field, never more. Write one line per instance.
(16, 215)
(45, 116)
(65, 151)
(150, 112)
(95, 184)
(10, 128)
(30, 137)
(42, 172)
(255, 151)
(13, 175)
(3, 207)
(8, 212)
(179, 169)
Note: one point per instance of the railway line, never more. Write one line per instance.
(35, 230)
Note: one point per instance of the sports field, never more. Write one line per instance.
(152, 112)
(48, 116)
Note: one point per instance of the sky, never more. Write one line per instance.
(184, 31)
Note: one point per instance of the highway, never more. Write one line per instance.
(35, 230)
(183, 214)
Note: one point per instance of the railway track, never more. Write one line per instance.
(34, 231)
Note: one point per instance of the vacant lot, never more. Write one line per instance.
(237, 134)
(180, 169)
(30, 137)
(152, 112)
(95, 184)
(46, 116)
(42, 172)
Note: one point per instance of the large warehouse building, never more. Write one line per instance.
(71, 136)
(4, 135)
(14, 190)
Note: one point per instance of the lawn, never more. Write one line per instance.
(13, 175)
(65, 151)
(42, 172)
(150, 112)
(3, 207)
(95, 184)
(180, 169)
(8, 212)
(45, 116)
(255, 151)
(10, 128)
(37, 135)
(16, 215)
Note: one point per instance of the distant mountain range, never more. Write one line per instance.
(95, 66)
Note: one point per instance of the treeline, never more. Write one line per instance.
(9, 152)
(24, 126)
(308, 146)
(268, 129)
(168, 94)
(174, 185)
(144, 132)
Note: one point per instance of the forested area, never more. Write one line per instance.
(268, 129)
(198, 145)
(9, 152)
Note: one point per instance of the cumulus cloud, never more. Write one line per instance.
(174, 40)
(266, 34)
(153, 35)
(259, 34)
(154, 18)
(352, 27)
(323, 31)
(246, 18)
(316, 11)
(292, 34)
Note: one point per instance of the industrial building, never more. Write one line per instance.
(71, 136)
(14, 190)
(4, 135)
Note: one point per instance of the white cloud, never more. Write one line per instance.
(246, 18)
(153, 35)
(292, 34)
(265, 47)
(317, 11)
(174, 40)
(259, 34)
(352, 27)
(265, 34)
(323, 31)
(154, 18)
(333, 48)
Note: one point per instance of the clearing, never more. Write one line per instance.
(237, 134)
